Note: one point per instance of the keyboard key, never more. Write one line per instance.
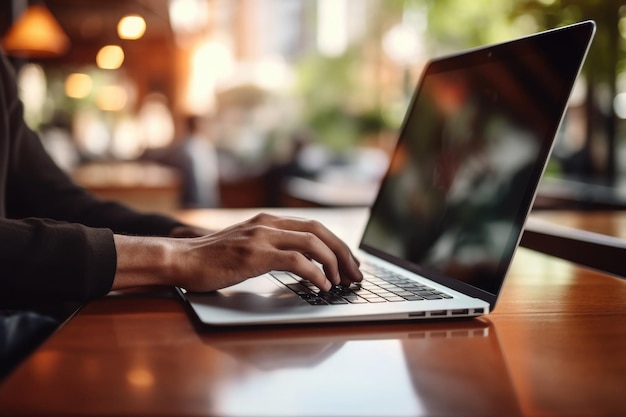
(412, 297)
(432, 297)
(395, 299)
(332, 298)
(285, 277)
(357, 301)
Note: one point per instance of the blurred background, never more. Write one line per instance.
(167, 104)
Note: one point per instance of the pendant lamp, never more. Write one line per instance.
(36, 34)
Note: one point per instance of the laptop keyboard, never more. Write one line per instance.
(378, 286)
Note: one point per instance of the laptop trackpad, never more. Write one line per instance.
(256, 295)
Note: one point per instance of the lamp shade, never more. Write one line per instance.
(36, 34)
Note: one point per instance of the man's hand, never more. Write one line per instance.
(239, 252)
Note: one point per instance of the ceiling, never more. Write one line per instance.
(91, 24)
(88, 21)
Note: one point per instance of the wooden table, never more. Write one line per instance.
(554, 346)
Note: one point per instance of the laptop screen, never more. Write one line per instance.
(470, 154)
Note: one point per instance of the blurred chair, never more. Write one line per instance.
(571, 194)
(594, 250)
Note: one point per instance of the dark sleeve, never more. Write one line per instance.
(45, 261)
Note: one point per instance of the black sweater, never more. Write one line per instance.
(56, 240)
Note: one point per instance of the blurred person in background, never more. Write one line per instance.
(194, 158)
(200, 173)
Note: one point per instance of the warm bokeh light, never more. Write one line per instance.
(127, 141)
(273, 73)
(188, 16)
(91, 132)
(110, 57)
(403, 44)
(78, 85)
(332, 36)
(156, 121)
(131, 27)
(111, 98)
(140, 377)
(32, 90)
(619, 104)
(211, 62)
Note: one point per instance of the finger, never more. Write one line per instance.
(312, 247)
(348, 264)
(300, 265)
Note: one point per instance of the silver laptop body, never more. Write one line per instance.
(452, 206)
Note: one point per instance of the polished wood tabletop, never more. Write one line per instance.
(555, 345)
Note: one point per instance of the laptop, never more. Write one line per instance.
(451, 207)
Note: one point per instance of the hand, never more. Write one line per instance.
(262, 244)
(232, 255)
